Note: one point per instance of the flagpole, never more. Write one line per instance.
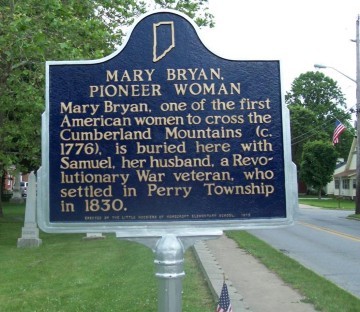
(224, 304)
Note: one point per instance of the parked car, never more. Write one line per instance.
(23, 188)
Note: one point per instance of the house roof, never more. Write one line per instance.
(346, 173)
(338, 165)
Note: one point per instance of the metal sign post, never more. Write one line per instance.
(169, 262)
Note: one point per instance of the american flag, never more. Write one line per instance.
(339, 128)
(224, 304)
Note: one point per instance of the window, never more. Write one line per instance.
(337, 184)
(345, 184)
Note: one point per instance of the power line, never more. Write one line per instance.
(311, 133)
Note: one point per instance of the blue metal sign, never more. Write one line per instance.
(164, 132)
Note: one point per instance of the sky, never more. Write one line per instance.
(299, 33)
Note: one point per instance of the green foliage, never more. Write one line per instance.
(197, 10)
(319, 94)
(315, 102)
(34, 31)
(318, 164)
(304, 125)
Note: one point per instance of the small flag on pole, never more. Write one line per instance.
(339, 128)
(224, 304)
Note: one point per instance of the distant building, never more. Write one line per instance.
(9, 181)
(344, 178)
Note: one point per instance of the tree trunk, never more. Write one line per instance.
(319, 193)
(2, 178)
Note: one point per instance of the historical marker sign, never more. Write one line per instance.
(164, 135)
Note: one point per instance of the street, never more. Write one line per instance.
(324, 241)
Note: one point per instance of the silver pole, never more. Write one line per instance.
(169, 261)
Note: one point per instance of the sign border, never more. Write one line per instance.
(152, 229)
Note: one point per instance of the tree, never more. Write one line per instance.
(315, 102)
(304, 125)
(34, 31)
(321, 95)
(318, 164)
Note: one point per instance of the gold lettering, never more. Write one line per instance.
(193, 74)
(125, 90)
(249, 189)
(128, 75)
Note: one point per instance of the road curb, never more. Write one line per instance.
(214, 276)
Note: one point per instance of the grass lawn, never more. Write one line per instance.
(67, 273)
(328, 202)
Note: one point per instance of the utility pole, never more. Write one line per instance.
(357, 41)
(357, 81)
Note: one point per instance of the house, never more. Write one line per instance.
(9, 180)
(344, 178)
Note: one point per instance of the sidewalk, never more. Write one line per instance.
(252, 287)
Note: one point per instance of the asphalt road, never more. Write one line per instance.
(324, 241)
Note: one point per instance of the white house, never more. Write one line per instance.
(344, 179)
